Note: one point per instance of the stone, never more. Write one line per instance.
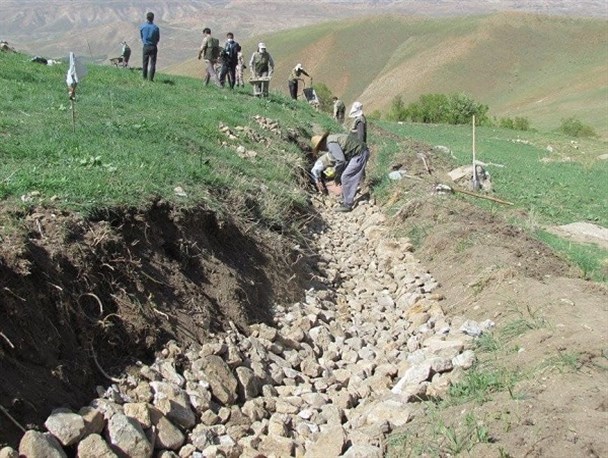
(127, 437)
(94, 422)
(68, 427)
(221, 379)
(413, 376)
(93, 446)
(276, 446)
(168, 436)
(249, 386)
(391, 410)
(464, 360)
(35, 444)
(330, 442)
(138, 411)
(173, 402)
(8, 452)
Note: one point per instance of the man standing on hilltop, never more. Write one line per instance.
(210, 52)
(150, 36)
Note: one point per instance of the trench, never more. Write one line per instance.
(331, 371)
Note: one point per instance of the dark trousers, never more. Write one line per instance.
(230, 70)
(149, 53)
(293, 89)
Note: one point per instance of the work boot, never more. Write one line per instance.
(344, 208)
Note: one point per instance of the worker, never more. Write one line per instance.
(294, 77)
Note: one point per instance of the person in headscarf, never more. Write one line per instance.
(359, 125)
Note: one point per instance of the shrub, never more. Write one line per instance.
(575, 128)
(439, 109)
(325, 97)
(516, 124)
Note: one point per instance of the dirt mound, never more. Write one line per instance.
(104, 292)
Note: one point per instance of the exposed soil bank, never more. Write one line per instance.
(114, 289)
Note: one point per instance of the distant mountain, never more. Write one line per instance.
(95, 28)
(541, 67)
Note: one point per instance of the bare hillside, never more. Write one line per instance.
(95, 28)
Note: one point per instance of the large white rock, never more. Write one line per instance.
(128, 438)
(68, 427)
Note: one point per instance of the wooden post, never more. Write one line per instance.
(475, 177)
(73, 115)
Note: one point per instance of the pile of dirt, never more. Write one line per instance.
(81, 298)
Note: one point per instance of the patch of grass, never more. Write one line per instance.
(563, 362)
(440, 438)
(592, 260)
(487, 343)
(527, 319)
(417, 234)
(479, 383)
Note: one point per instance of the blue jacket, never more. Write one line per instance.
(150, 34)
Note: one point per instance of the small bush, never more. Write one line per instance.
(516, 123)
(439, 109)
(575, 128)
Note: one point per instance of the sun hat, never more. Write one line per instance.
(316, 141)
(299, 66)
(356, 110)
(261, 46)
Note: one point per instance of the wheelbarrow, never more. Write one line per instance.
(261, 85)
(311, 96)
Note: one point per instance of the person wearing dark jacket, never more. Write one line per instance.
(230, 59)
(150, 36)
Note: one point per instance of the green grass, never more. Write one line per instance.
(547, 188)
(135, 141)
(437, 437)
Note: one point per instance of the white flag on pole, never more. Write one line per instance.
(76, 72)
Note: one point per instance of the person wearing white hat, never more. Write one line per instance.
(359, 125)
(125, 54)
(294, 77)
(261, 65)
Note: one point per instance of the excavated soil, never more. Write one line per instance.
(83, 297)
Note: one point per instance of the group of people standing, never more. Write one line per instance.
(341, 156)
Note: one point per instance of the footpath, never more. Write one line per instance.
(333, 376)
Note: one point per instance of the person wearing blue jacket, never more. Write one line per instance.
(150, 36)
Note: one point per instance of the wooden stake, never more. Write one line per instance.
(73, 115)
(475, 177)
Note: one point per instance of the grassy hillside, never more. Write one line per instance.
(135, 141)
(540, 67)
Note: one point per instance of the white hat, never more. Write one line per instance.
(299, 66)
(261, 46)
(356, 110)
